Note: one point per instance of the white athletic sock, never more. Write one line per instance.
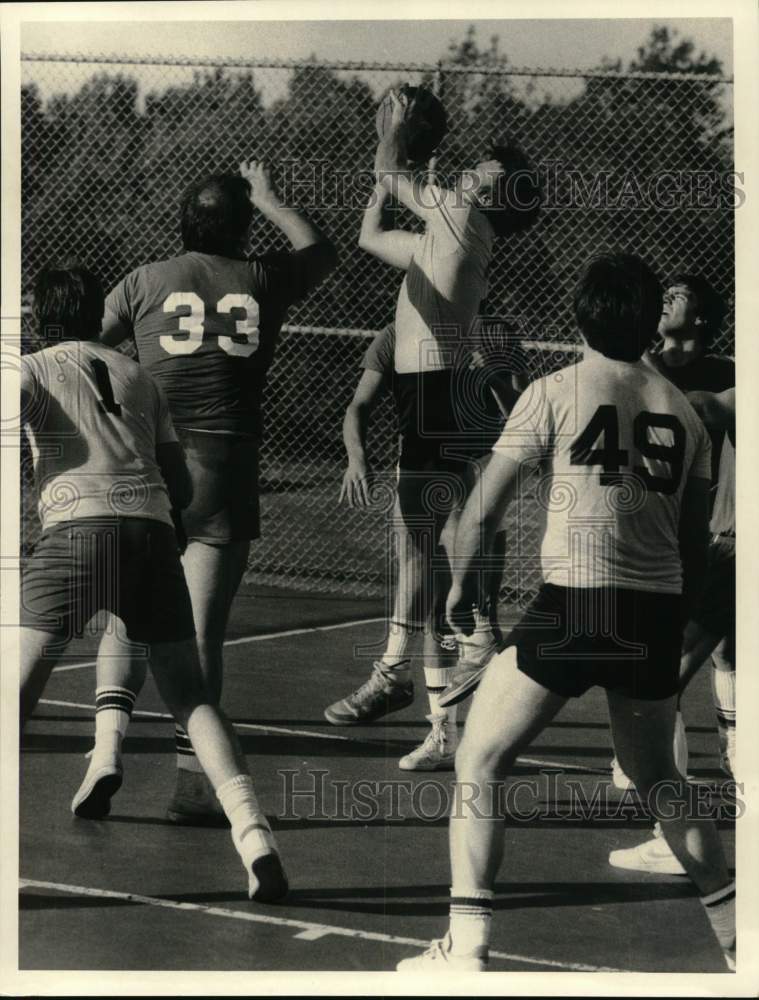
(723, 688)
(186, 757)
(251, 832)
(720, 909)
(436, 680)
(394, 660)
(470, 919)
(113, 710)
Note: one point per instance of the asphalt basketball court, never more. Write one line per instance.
(365, 844)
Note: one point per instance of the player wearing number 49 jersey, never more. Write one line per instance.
(624, 471)
(206, 324)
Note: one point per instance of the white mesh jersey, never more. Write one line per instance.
(444, 284)
(95, 418)
(614, 444)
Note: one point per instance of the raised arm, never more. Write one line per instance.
(392, 169)
(393, 246)
(303, 235)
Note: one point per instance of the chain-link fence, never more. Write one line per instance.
(637, 161)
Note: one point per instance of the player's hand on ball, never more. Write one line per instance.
(354, 491)
(262, 190)
(459, 610)
(401, 107)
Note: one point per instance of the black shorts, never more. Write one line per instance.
(224, 472)
(431, 484)
(126, 565)
(571, 639)
(715, 610)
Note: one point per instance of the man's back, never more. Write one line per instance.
(619, 442)
(95, 419)
(206, 326)
(444, 285)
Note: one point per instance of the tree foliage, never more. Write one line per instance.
(103, 167)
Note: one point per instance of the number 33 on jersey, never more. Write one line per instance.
(191, 323)
(206, 328)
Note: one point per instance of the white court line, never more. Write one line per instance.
(164, 716)
(253, 638)
(307, 930)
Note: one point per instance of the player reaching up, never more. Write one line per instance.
(438, 749)
(108, 468)
(444, 284)
(206, 325)
(625, 469)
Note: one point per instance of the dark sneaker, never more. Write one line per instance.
(194, 801)
(101, 782)
(267, 882)
(378, 696)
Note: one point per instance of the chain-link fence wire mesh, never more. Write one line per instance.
(626, 161)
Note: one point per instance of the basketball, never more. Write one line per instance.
(426, 124)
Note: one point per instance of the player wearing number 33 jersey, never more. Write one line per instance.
(206, 324)
(206, 327)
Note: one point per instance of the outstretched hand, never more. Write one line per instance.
(354, 491)
(401, 107)
(262, 190)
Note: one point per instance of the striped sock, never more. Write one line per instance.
(394, 659)
(436, 681)
(113, 710)
(470, 919)
(251, 832)
(186, 758)
(720, 909)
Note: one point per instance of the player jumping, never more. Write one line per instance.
(444, 284)
(108, 468)
(206, 325)
(625, 464)
(438, 749)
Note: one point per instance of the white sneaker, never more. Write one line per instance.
(101, 782)
(619, 778)
(439, 955)
(652, 856)
(438, 752)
